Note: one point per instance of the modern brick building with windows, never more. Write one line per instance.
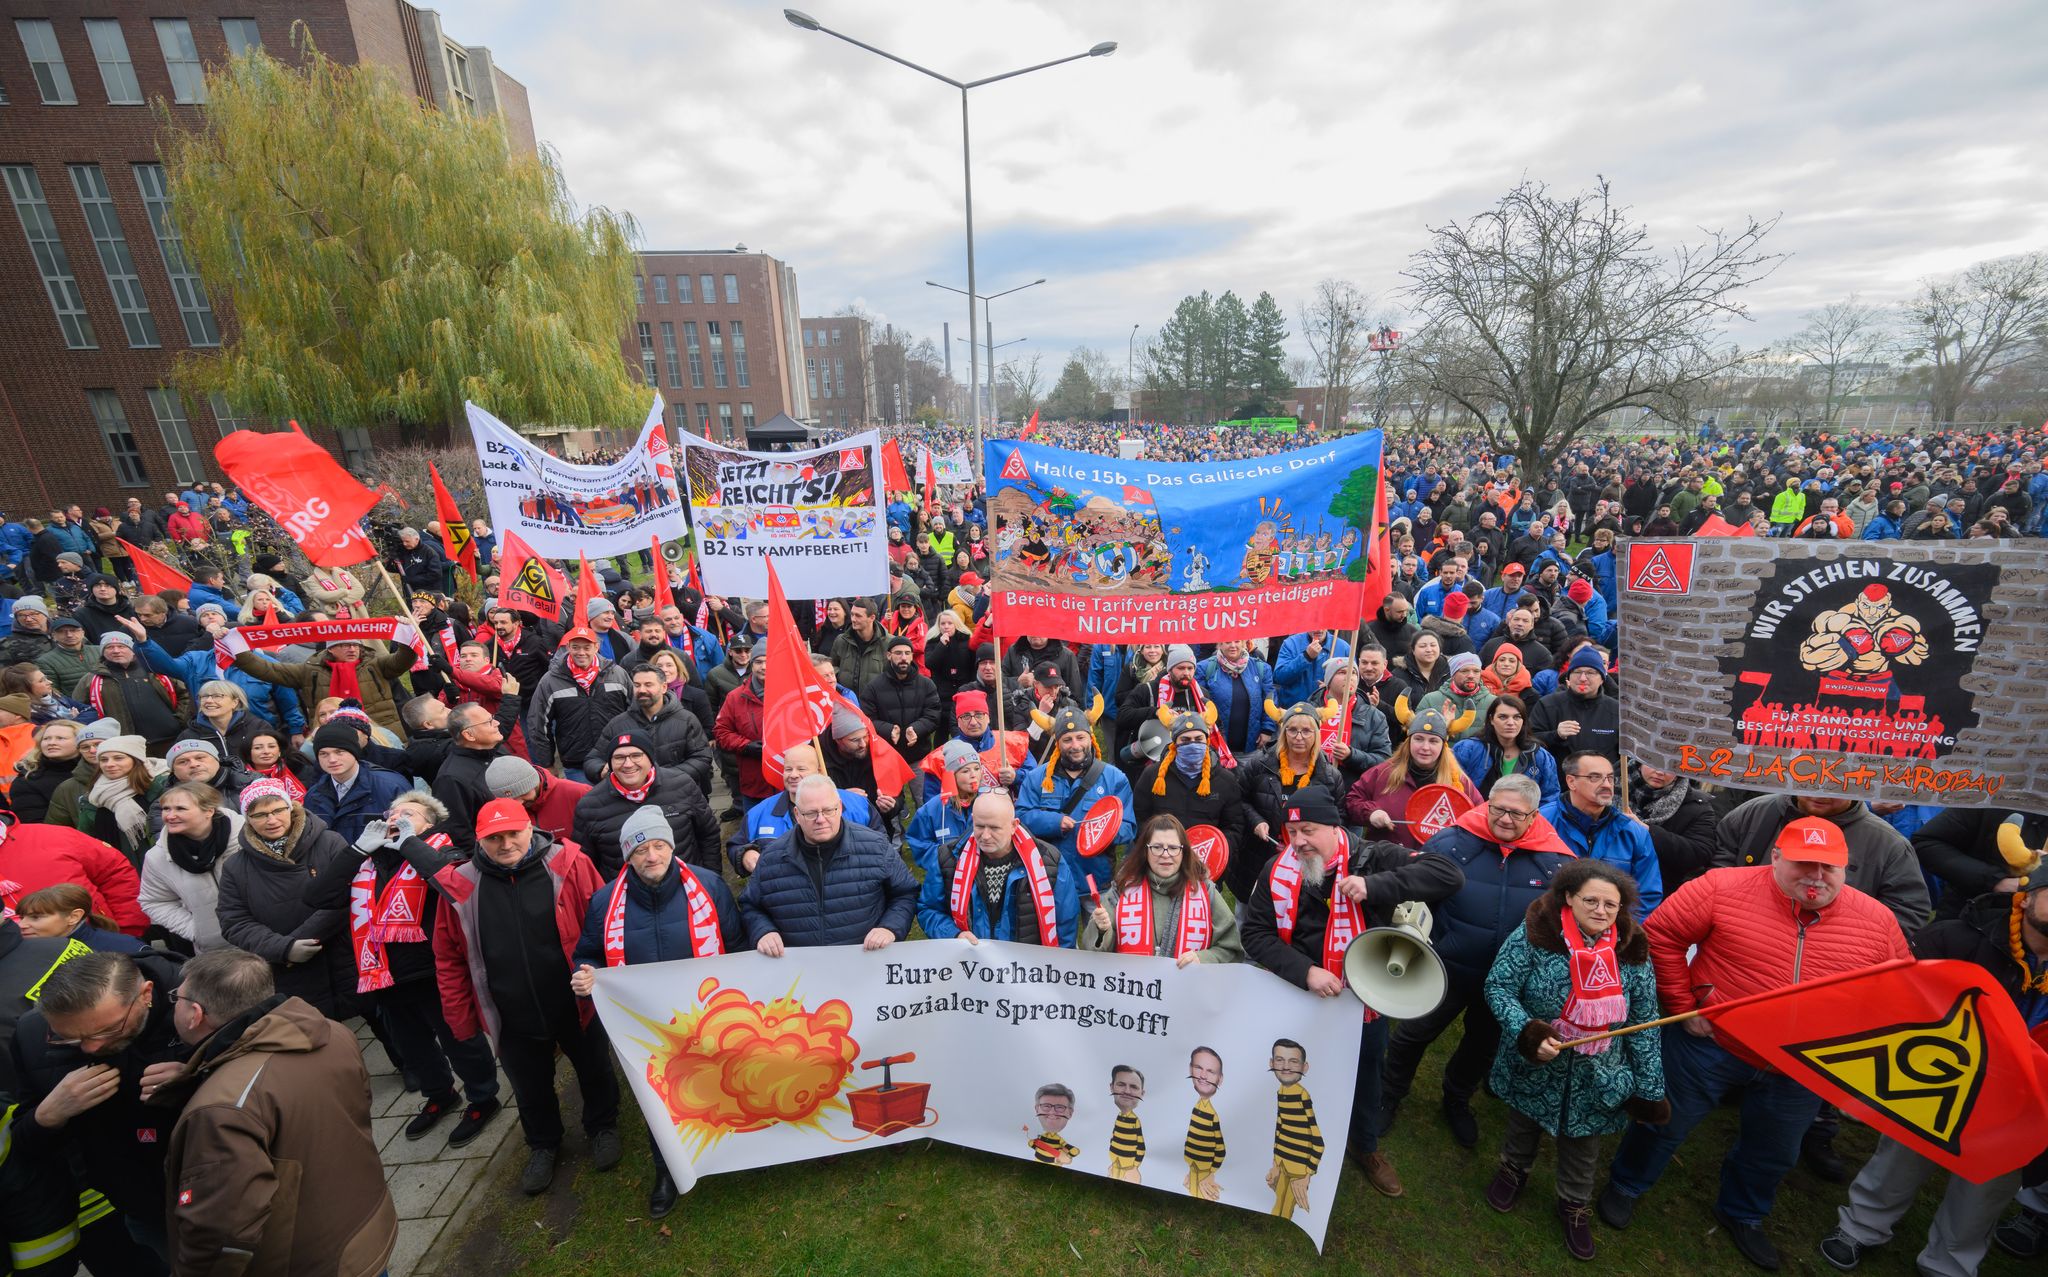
(839, 373)
(717, 333)
(99, 296)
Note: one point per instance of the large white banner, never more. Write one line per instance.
(948, 468)
(561, 509)
(1221, 1082)
(816, 511)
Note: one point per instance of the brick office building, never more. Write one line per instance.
(97, 299)
(717, 332)
(839, 370)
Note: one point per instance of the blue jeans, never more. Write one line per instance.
(1775, 1114)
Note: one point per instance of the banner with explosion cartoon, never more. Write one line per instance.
(1107, 549)
(1219, 1082)
(816, 511)
(562, 510)
(1871, 670)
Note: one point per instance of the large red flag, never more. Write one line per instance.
(1030, 427)
(1933, 1054)
(528, 582)
(296, 482)
(456, 541)
(1716, 526)
(586, 590)
(663, 596)
(152, 573)
(799, 707)
(1379, 558)
(931, 484)
(895, 478)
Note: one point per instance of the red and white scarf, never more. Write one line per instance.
(1134, 920)
(1597, 1002)
(1201, 710)
(967, 875)
(633, 795)
(1347, 918)
(393, 629)
(585, 679)
(705, 941)
(98, 703)
(393, 917)
(283, 774)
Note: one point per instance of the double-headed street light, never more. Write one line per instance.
(805, 21)
(994, 415)
(989, 330)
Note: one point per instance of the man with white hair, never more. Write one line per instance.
(827, 881)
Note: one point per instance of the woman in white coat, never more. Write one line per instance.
(181, 873)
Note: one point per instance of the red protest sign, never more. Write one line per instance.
(1097, 832)
(1210, 847)
(1434, 807)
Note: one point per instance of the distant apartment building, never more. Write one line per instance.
(100, 298)
(839, 368)
(716, 332)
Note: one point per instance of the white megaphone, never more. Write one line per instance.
(1393, 970)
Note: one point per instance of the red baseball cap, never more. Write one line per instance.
(1813, 838)
(501, 815)
(580, 632)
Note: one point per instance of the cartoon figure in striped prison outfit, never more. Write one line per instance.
(1127, 1137)
(1055, 1108)
(1203, 1148)
(1297, 1140)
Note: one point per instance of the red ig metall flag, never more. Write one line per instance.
(298, 483)
(456, 539)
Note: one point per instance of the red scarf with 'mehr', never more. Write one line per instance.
(967, 875)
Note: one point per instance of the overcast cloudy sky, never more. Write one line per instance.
(1267, 145)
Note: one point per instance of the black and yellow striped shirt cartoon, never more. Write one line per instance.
(1127, 1138)
(1204, 1146)
(1297, 1140)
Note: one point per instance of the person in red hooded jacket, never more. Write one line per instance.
(36, 856)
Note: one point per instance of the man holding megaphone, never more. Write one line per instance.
(1326, 887)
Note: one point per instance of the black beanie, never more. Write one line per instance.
(338, 736)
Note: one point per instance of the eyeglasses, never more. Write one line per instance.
(1055, 1110)
(1595, 779)
(1597, 906)
(1164, 846)
(1509, 813)
(817, 813)
(103, 1034)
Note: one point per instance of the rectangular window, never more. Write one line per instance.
(26, 189)
(835, 336)
(725, 421)
(839, 377)
(46, 60)
(120, 440)
(683, 288)
(811, 377)
(825, 377)
(739, 354)
(242, 36)
(225, 416)
(706, 290)
(679, 414)
(695, 352)
(732, 288)
(117, 72)
(458, 77)
(115, 259)
(807, 336)
(661, 290)
(717, 355)
(647, 355)
(746, 416)
(201, 328)
(357, 448)
(640, 290)
(169, 407)
(704, 420)
(181, 56)
(668, 353)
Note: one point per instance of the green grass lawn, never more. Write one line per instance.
(933, 1208)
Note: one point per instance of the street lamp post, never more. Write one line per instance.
(988, 322)
(804, 21)
(992, 349)
(1130, 384)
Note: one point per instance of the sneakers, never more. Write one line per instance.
(1818, 1152)
(2023, 1234)
(474, 1119)
(605, 1149)
(1839, 1249)
(1464, 1126)
(430, 1115)
(1750, 1240)
(539, 1172)
(1577, 1218)
(1506, 1188)
(1379, 1172)
(1616, 1208)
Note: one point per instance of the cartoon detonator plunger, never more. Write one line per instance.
(1864, 640)
(1127, 1136)
(1203, 1147)
(1297, 1140)
(1054, 1105)
(889, 1108)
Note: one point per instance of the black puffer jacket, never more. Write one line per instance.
(602, 813)
(563, 721)
(1258, 778)
(911, 702)
(1960, 847)
(678, 735)
(1222, 807)
(263, 909)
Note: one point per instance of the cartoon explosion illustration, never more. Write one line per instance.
(734, 1065)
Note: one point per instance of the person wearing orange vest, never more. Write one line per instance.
(657, 909)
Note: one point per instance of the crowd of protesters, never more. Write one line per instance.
(208, 863)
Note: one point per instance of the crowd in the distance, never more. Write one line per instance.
(213, 858)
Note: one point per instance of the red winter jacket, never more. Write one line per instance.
(33, 857)
(1752, 938)
(738, 727)
(458, 957)
(555, 812)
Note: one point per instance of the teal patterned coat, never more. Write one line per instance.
(1576, 1094)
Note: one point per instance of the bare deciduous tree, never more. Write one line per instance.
(1335, 324)
(1963, 329)
(1545, 313)
(1846, 343)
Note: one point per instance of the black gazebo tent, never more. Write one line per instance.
(779, 431)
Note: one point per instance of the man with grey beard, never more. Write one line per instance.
(1323, 890)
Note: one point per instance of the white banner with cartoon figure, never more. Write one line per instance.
(816, 511)
(1221, 1082)
(561, 509)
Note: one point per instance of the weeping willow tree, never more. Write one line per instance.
(387, 260)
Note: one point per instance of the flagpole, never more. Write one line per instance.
(1633, 1028)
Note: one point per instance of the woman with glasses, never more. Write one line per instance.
(1162, 903)
(1577, 966)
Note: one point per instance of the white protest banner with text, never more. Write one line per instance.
(816, 511)
(1222, 1082)
(562, 510)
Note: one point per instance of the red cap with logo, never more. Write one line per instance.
(501, 815)
(1815, 839)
